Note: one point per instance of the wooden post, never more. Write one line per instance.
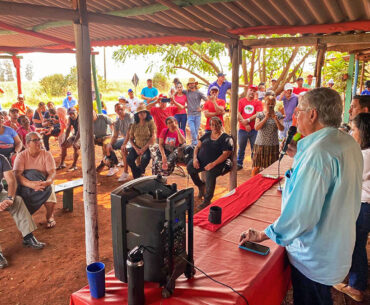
(362, 76)
(320, 58)
(97, 93)
(235, 55)
(17, 65)
(348, 97)
(355, 78)
(83, 50)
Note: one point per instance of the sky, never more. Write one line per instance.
(45, 64)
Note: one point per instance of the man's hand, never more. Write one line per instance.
(292, 148)
(196, 163)
(209, 166)
(248, 127)
(5, 204)
(38, 185)
(252, 235)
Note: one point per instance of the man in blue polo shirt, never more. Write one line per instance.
(321, 200)
(149, 93)
(222, 85)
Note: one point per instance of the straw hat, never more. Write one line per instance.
(192, 81)
(141, 108)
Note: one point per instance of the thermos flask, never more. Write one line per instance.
(135, 276)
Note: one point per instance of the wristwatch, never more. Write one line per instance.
(10, 198)
(248, 120)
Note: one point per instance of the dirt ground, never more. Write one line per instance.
(49, 276)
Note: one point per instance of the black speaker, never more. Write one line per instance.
(148, 212)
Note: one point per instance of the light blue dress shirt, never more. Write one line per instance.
(69, 103)
(320, 204)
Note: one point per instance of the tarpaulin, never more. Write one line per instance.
(235, 203)
(263, 280)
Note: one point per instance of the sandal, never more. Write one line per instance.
(50, 223)
(344, 289)
(61, 166)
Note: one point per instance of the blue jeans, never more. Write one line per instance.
(181, 120)
(358, 271)
(118, 144)
(137, 171)
(308, 292)
(243, 137)
(194, 123)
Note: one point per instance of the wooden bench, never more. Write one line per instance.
(67, 189)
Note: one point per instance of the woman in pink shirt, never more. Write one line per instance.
(181, 116)
(25, 128)
(164, 155)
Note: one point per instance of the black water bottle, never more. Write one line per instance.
(135, 276)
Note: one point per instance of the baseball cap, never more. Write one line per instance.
(253, 87)
(130, 90)
(299, 78)
(121, 98)
(20, 96)
(288, 86)
(274, 80)
(221, 74)
(214, 88)
(331, 81)
(309, 75)
(69, 93)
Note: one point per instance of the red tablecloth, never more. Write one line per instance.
(263, 280)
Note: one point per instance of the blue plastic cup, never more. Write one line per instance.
(96, 277)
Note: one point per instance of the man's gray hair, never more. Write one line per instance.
(29, 136)
(328, 104)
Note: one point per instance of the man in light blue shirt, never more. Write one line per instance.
(149, 93)
(69, 101)
(320, 202)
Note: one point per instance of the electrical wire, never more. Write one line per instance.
(279, 176)
(216, 281)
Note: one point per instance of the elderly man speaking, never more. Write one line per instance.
(320, 201)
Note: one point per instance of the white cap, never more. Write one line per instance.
(288, 86)
(121, 98)
(331, 81)
(20, 96)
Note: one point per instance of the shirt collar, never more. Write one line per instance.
(313, 137)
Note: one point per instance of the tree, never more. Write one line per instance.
(29, 71)
(8, 71)
(2, 72)
(204, 60)
(160, 82)
(54, 85)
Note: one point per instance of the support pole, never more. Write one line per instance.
(83, 50)
(355, 78)
(235, 50)
(17, 65)
(348, 97)
(320, 59)
(97, 94)
(362, 76)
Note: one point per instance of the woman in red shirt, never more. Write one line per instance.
(181, 116)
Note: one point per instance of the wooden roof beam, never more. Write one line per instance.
(305, 41)
(64, 43)
(39, 11)
(361, 25)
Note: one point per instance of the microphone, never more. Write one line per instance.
(291, 132)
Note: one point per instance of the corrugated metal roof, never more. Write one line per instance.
(212, 16)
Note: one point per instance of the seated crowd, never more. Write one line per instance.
(154, 129)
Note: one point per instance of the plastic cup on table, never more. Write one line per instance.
(96, 278)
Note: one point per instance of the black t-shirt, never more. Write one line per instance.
(212, 149)
(74, 124)
(4, 166)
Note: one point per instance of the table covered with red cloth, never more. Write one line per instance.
(263, 280)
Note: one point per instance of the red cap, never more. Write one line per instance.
(309, 75)
(254, 87)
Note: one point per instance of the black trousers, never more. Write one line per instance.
(137, 171)
(308, 292)
(210, 178)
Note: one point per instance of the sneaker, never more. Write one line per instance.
(112, 171)
(120, 164)
(123, 177)
(3, 261)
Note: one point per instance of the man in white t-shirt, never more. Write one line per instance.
(133, 101)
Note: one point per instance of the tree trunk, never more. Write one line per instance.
(291, 74)
(251, 71)
(193, 73)
(245, 70)
(205, 58)
(280, 81)
(264, 66)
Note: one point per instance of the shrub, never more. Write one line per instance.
(54, 85)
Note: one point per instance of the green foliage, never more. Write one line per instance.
(54, 85)
(160, 82)
(334, 68)
(71, 80)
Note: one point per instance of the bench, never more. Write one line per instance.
(67, 189)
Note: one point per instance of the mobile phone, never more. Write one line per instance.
(254, 247)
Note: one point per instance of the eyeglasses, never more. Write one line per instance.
(297, 111)
(36, 140)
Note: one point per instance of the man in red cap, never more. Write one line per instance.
(20, 105)
(247, 112)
